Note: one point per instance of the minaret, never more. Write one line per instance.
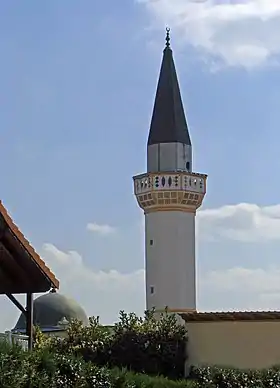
(169, 193)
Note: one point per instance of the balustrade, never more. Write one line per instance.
(170, 181)
(12, 338)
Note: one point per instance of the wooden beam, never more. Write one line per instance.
(10, 265)
(29, 319)
(21, 261)
(3, 227)
(16, 303)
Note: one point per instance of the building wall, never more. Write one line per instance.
(238, 344)
(59, 334)
(170, 260)
(169, 157)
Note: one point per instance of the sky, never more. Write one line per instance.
(78, 82)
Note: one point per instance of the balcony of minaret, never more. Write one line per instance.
(170, 191)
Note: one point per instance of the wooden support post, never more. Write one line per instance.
(29, 319)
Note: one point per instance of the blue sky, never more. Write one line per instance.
(77, 86)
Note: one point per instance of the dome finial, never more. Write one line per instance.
(167, 39)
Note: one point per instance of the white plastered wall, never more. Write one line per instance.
(170, 260)
(169, 157)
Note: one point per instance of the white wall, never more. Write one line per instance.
(170, 260)
(169, 157)
(248, 344)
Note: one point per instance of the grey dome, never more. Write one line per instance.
(50, 309)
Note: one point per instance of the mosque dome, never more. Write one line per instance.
(51, 310)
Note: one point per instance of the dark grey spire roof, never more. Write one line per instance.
(168, 123)
(50, 309)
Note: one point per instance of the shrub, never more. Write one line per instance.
(147, 345)
(230, 378)
(43, 369)
(124, 378)
(12, 365)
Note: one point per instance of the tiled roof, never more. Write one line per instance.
(30, 250)
(231, 316)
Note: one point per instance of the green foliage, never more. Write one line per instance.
(40, 340)
(144, 345)
(149, 345)
(44, 369)
(12, 363)
(123, 378)
(230, 378)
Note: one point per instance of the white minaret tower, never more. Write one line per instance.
(169, 193)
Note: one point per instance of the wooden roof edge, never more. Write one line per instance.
(231, 316)
(25, 243)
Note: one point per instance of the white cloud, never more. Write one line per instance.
(100, 228)
(239, 33)
(253, 280)
(241, 288)
(242, 222)
(102, 293)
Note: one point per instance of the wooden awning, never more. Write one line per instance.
(22, 270)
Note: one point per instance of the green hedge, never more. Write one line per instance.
(212, 377)
(42, 369)
(143, 345)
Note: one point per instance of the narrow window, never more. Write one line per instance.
(152, 289)
(151, 242)
(188, 166)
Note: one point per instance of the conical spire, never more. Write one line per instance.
(168, 123)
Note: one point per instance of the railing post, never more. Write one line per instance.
(10, 339)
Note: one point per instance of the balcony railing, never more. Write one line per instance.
(174, 181)
(12, 338)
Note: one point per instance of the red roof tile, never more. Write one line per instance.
(231, 316)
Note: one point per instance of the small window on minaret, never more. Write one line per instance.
(152, 289)
(188, 166)
(151, 242)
